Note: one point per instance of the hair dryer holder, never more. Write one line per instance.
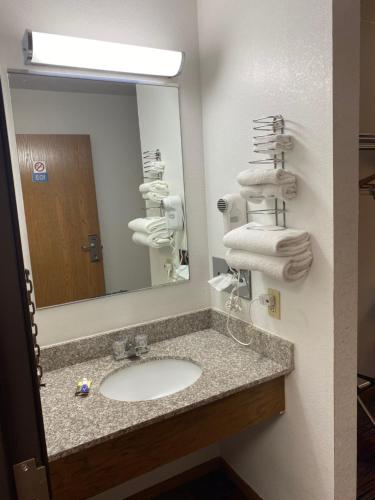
(219, 266)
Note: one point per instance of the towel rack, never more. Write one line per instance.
(366, 141)
(367, 184)
(273, 124)
(148, 157)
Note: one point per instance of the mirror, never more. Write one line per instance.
(102, 183)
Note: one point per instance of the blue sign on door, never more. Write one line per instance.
(40, 173)
(40, 177)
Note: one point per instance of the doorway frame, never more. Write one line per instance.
(22, 434)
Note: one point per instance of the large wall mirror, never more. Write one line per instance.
(102, 183)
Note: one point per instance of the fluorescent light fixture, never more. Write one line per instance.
(73, 52)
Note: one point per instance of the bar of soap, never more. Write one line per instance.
(83, 386)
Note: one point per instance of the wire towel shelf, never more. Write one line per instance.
(273, 124)
(367, 184)
(149, 158)
(366, 141)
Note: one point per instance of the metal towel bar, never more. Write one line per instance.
(274, 124)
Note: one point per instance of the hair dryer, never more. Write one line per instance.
(234, 208)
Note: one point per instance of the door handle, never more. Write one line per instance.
(93, 247)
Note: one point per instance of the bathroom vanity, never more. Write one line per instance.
(126, 182)
(95, 443)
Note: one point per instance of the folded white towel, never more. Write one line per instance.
(281, 268)
(266, 241)
(259, 192)
(154, 187)
(272, 147)
(281, 138)
(154, 168)
(156, 164)
(149, 225)
(155, 197)
(263, 175)
(151, 240)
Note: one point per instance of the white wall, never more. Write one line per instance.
(111, 121)
(366, 277)
(169, 24)
(159, 124)
(261, 58)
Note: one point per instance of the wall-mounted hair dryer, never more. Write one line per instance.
(234, 208)
(174, 213)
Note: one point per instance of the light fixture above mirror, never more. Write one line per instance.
(83, 53)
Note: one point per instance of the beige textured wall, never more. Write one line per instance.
(260, 58)
(346, 19)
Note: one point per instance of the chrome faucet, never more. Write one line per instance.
(130, 347)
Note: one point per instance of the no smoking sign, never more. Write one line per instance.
(40, 173)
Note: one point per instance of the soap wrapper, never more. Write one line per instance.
(83, 386)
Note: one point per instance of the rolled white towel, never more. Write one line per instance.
(272, 147)
(154, 187)
(151, 240)
(156, 164)
(281, 138)
(154, 168)
(259, 192)
(280, 268)
(265, 240)
(148, 225)
(263, 175)
(156, 197)
(153, 174)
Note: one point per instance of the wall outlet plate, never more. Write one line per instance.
(275, 310)
(219, 266)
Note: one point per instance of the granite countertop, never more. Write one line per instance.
(73, 423)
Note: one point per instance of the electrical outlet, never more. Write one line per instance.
(275, 311)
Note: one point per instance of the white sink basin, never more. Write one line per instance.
(150, 380)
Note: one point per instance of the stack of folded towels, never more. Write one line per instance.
(258, 183)
(154, 191)
(272, 144)
(150, 231)
(284, 254)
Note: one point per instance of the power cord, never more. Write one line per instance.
(233, 304)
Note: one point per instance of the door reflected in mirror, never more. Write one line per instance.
(102, 183)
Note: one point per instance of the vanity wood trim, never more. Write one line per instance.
(105, 465)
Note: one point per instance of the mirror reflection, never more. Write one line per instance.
(102, 183)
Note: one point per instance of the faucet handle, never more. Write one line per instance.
(118, 348)
(130, 342)
(141, 343)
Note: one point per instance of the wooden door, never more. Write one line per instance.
(61, 213)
